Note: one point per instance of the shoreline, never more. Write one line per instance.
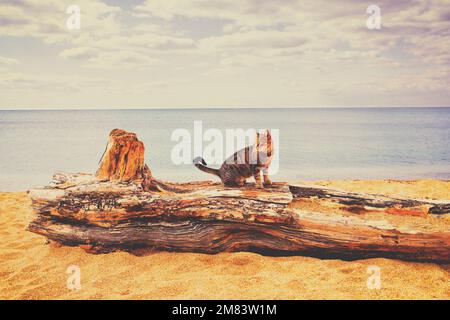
(30, 268)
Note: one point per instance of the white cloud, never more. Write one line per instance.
(256, 40)
(8, 61)
(82, 53)
(121, 60)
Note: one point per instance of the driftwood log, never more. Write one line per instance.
(78, 210)
(108, 214)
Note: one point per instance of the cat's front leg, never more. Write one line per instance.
(267, 181)
(258, 182)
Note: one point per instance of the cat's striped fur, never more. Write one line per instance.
(244, 163)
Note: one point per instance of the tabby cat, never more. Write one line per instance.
(245, 163)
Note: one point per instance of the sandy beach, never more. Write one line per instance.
(31, 268)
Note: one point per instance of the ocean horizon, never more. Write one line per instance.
(314, 143)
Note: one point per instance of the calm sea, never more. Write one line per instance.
(325, 143)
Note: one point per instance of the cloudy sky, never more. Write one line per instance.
(223, 53)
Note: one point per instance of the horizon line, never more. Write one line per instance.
(216, 108)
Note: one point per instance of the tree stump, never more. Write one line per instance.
(123, 159)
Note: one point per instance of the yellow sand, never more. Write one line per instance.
(32, 269)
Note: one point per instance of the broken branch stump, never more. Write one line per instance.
(123, 159)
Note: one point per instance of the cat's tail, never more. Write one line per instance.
(201, 164)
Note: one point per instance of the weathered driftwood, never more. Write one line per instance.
(357, 202)
(206, 217)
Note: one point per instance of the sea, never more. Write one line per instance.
(311, 143)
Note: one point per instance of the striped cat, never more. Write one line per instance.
(245, 163)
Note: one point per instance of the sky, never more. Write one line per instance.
(223, 53)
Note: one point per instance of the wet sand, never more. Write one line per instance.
(30, 268)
